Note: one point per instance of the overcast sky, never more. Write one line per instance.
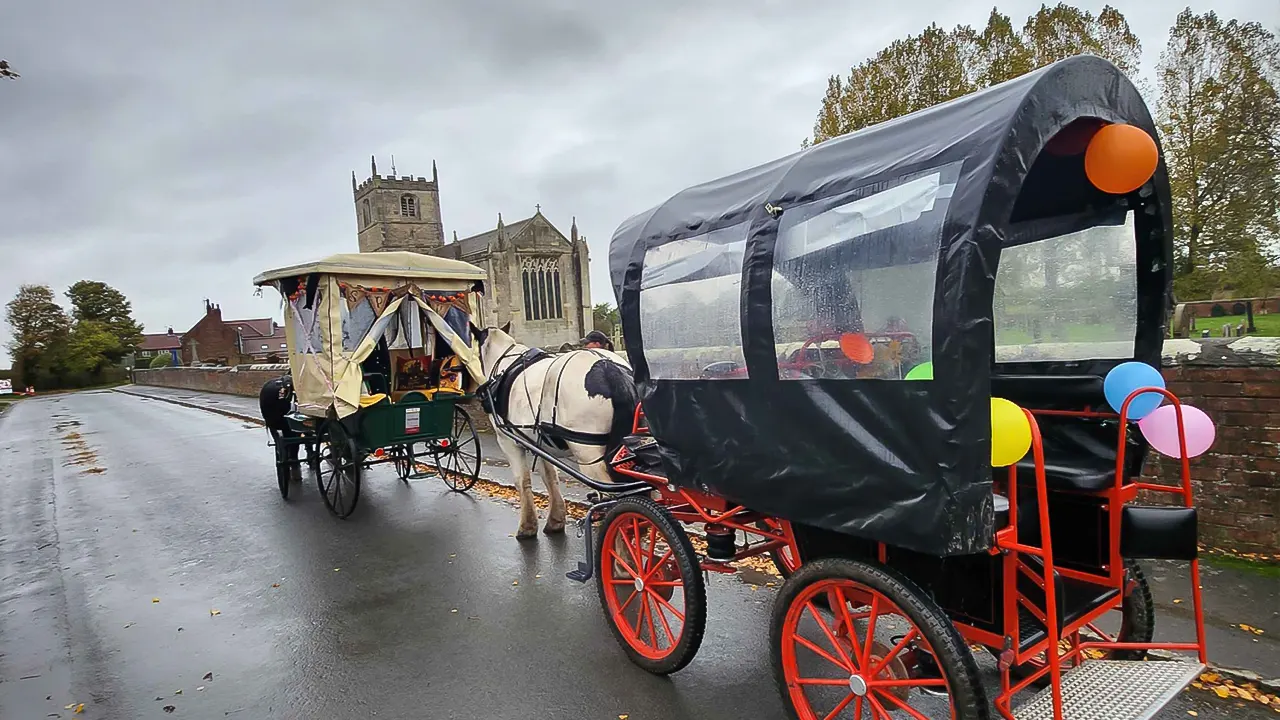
(176, 149)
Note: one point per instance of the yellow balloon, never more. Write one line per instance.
(1010, 433)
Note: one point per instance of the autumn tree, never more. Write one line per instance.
(40, 327)
(97, 302)
(1219, 117)
(937, 65)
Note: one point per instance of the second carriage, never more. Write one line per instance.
(381, 358)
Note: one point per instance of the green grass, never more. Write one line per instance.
(1268, 325)
(1262, 568)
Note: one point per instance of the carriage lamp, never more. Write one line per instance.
(721, 543)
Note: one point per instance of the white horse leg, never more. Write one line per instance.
(520, 462)
(555, 517)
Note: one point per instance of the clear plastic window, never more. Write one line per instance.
(690, 299)
(1069, 297)
(853, 283)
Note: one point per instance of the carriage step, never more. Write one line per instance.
(1114, 690)
(582, 574)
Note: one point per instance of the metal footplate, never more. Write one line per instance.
(1113, 690)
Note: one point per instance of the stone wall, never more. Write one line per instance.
(1235, 484)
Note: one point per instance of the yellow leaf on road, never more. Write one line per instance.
(155, 600)
(1193, 713)
(79, 708)
(1222, 692)
(515, 582)
(214, 612)
(1210, 677)
(275, 585)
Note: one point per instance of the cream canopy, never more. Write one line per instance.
(398, 264)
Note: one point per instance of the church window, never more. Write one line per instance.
(408, 206)
(364, 212)
(528, 302)
(543, 298)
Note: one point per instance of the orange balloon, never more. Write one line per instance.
(857, 348)
(1120, 158)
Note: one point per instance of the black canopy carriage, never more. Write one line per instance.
(380, 354)
(828, 347)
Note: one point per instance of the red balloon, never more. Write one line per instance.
(857, 348)
(1120, 159)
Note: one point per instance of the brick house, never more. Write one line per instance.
(153, 344)
(231, 342)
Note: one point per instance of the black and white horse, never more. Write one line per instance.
(577, 405)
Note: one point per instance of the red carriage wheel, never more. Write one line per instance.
(786, 559)
(650, 586)
(876, 648)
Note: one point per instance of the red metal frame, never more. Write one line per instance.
(693, 507)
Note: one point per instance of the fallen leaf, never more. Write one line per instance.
(1244, 694)
(169, 708)
(128, 625)
(79, 708)
(1177, 601)
(275, 584)
(178, 691)
(1210, 677)
(207, 676)
(214, 611)
(155, 600)
(454, 610)
(515, 582)
(179, 629)
(1222, 692)
(1193, 713)
(200, 689)
(69, 707)
(623, 717)
(537, 576)
(453, 555)
(158, 698)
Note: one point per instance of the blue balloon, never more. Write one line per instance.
(1127, 377)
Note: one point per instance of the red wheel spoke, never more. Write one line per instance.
(618, 559)
(664, 583)
(902, 705)
(628, 602)
(621, 581)
(631, 549)
(653, 567)
(663, 601)
(884, 662)
(847, 620)
(908, 682)
(653, 632)
(658, 602)
(845, 663)
(877, 710)
(843, 704)
(843, 682)
(871, 631)
(822, 653)
(653, 545)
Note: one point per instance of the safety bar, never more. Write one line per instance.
(523, 441)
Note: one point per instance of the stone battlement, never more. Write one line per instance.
(404, 182)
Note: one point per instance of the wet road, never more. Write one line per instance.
(144, 545)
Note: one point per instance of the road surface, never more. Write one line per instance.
(147, 562)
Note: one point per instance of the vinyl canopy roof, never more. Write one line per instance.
(399, 264)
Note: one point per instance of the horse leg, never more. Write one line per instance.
(520, 463)
(555, 517)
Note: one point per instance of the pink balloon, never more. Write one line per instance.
(1160, 428)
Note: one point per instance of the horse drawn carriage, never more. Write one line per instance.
(380, 356)
(916, 366)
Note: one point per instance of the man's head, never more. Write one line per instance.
(597, 339)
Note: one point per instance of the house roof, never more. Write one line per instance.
(160, 341)
(259, 327)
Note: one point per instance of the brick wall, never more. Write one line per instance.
(246, 382)
(1205, 308)
(1236, 487)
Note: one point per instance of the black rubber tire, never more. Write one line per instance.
(402, 459)
(463, 436)
(1138, 614)
(968, 699)
(344, 456)
(695, 590)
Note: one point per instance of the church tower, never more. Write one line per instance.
(398, 213)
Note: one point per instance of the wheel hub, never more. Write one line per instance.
(857, 685)
(639, 585)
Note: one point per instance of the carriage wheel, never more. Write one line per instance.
(882, 650)
(1137, 625)
(650, 586)
(458, 456)
(283, 474)
(785, 560)
(340, 471)
(402, 458)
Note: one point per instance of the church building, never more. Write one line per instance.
(538, 279)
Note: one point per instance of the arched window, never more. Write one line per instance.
(408, 206)
(364, 212)
(543, 298)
